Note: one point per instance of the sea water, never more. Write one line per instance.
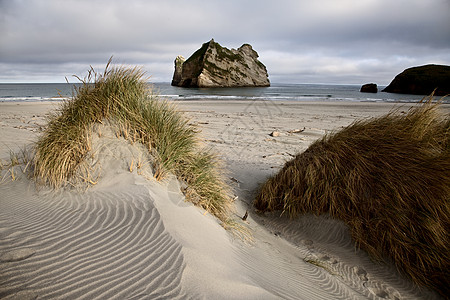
(19, 92)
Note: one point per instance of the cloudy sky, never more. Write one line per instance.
(300, 41)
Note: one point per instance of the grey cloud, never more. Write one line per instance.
(314, 41)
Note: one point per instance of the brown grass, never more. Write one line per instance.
(388, 179)
(121, 96)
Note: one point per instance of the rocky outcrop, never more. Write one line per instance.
(422, 80)
(178, 69)
(216, 66)
(369, 88)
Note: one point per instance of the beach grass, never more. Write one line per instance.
(388, 179)
(121, 96)
(18, 164)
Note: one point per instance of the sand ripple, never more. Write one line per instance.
(326, 256)
(84, 246)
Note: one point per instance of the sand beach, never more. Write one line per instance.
(132, 237)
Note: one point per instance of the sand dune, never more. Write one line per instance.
(131, 237)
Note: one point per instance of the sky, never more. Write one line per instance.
(299, 41)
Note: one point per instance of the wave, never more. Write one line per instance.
(258, 98)
(31, 99)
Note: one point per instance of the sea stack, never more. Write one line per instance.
(422, 80)
(369, 88)
(215, 66)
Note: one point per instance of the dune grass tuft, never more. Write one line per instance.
(388, 179)
(121, 96)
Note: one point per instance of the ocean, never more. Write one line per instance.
(20, 92)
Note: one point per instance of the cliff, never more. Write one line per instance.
(215, 66)
(422, 80)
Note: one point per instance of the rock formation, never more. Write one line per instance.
(216, 66)
(422, 80)
(369, 88)
(178, 69)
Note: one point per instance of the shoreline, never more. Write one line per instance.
(276, 92)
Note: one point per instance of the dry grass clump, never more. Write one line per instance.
(121, 95)
(388, 178)
(18, 164)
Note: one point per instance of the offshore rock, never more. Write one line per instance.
(422, 80)
(178, 69)
(216, 66)
(369, 88)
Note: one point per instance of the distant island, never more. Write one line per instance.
(422, 80)
(215, 66)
